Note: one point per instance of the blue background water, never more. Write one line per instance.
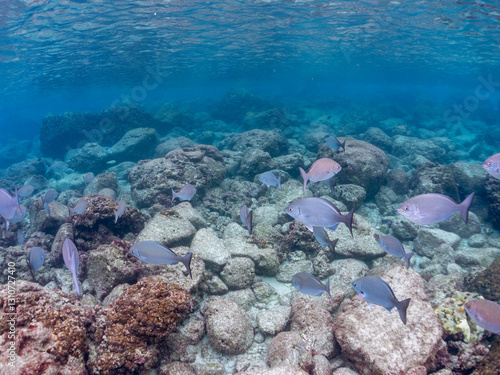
(58, 56)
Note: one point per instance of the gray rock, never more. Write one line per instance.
(90, 157)
(429, 239)
(357, 326)
(168, 229)
(107, 192)
(263, 291)
(289, 163)
(321, 366)
(114, 294)
(346, 271)
(216, 286)
(265, 215)
(379, 138)
(288, 270)
(66, 230)
(229, 329)
(349, 194)
(41, 221)
(398, 180)
(266, 259)
(268, 141)
(273, 321)
(441, 287)
(458, 226)
(409, 147)
(288, 348)
(210, 248)
(255, 161)
(403, 229)
(238, 273)
(135, 145)
(469, 177)
(105, 180)
(477, 257)
(477, 240)
(243, 297)
(344, 371)
(186, 211)
(172, 144)
(277, 370)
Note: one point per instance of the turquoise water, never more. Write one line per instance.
(120, 88)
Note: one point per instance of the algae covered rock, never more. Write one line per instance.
(238, 273)
(289, 348)
(169, 229)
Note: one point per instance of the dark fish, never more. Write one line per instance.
(321, 170)
(334, 143)
(318, 212)
(269, 179)
(72, 260)
(119, 210)
(35, 260)
(154, 253)
(485, 314)
(246, 218)
(185, 194)
(79, 208)
(377, 291)
(309, 284)
(49, 196)
(433, 208)
(322, 237)
(87, 179)
(393, 246)
(57, 167)
(26, 190)
(492, 165)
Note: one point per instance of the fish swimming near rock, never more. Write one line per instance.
(57, 167)
(87, 179)
(309, 284)
(485, 314)
(79, 208)
(10, 209)
(26, 190)
(48, 198)
(377, 291)
(492, 165)
(322, 237)
(318, 212)
(334, 143)
(119, 210)
(154, 253)
(269, 179)
(321, 170)
(185, 194)
(433, 208)
(393, 246)
(36, 259)
(246, 218)
(19, 216)
(72, 260)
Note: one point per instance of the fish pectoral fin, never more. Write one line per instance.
(310, 228)
(369, 305)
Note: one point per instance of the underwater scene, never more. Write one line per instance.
(251, 187)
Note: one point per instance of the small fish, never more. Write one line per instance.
(79, 208)
(485, 314)
(185, 194)
(19, 215)
(35, 260)
(318, 212)
(87, 179)
(492, 165)
(154, 253)
(20, 237)
(322, 238)
(246, 218)
(393, 246)
(26, 190)
(119, 210)
(49, 196)
(334, 143)
(433, 208)
(321, 170)
(377, 291)
(57, 167)
(72, 260)
(111, 162)
(309, 284)
(269, 179)
(9, 205)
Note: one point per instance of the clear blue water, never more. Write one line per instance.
(58, 56)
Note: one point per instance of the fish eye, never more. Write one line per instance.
(406, 208)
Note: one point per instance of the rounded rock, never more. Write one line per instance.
(238, 273)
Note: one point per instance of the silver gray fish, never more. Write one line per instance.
(119, 210)
(393, 246)
(246, 218)
(8, 204)
(269, 179)
(35, 260)
(492, 165)
(154, 253)
(321, 170)
(49, 196)
(87, 179)
(57, 167)
(309, 284)
(318, 212)
(334, 143)
(322, 237)
(79, 208)
(185, 194)
(72, 260)
(485, 314)
(433, 208)
(26, 190)
(377, 291)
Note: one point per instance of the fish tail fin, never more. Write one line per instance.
(186, 260)
(348, 220)
(174, 195)
(77, 286)
(279, 182)
(304, 177)
(407, 258)
(116, 215)
(333, 243)
(402, 306)
(464, 207)
(343, 145)
(328, 288)
(249, 222)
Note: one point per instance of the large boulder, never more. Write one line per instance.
(408, 147)
(378, 342)
(135, 145)
(151, 180)
(271, 142)
(89, 157)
